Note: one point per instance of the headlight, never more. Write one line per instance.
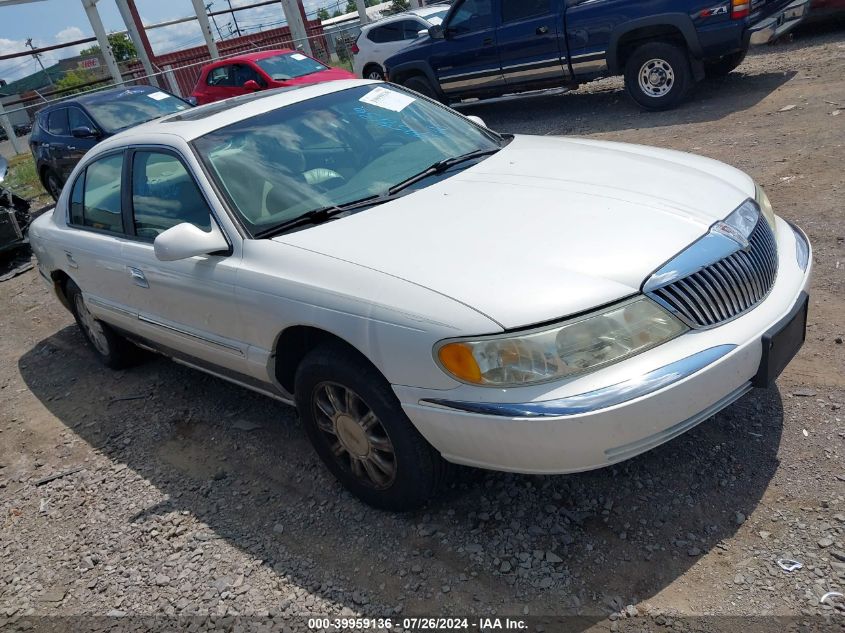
(560, 351)
(765, 205)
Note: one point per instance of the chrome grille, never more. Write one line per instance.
(727, 288)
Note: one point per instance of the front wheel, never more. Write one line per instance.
(113, 350)
(361, 433)
(420, 84)
(658, 76)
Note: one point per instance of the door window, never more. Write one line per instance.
(513, 10)
(220, 77)
(411, 29)
(57, 122)
(242, 73)
(77, 118)
(95, 199)
(164, 194)
(388, 33)
(472, 16)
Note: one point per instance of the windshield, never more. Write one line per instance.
(437, 16)
(289, 66)
(132, 107)
(333, 150)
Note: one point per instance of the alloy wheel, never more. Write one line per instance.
(356, 437)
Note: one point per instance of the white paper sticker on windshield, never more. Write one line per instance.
(158, 96)
(387, 99)
(298, 57)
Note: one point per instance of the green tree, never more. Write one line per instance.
(121, 46)
(323, 14)
(397, 6)
(74, 79)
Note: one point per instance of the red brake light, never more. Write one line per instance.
(355, 49)
(740, 9)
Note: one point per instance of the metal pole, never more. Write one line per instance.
(362, 11)
(293, 15)
(234, 19)
(90, 7)
(40, 63)
(136, 33)
(213, 19)
(202, 18)
(10, 130)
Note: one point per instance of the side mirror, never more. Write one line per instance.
(477, 120)
(83, 131)
(186, 240)
(422, 33)
(436, 32)
(251, 84)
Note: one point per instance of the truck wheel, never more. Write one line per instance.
(420, 84)
(113, 350)
(361, 433)
(724, 66)
(658, 75)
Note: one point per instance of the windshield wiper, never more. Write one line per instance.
(320, 216)
(442, 165)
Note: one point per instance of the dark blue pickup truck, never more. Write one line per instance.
(487, 48)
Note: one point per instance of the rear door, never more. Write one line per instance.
(467, 60)
(529, 42)
(78, 146)
(57, 145)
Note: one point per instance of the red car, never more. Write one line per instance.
(258, 71)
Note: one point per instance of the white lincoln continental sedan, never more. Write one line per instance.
(426, 290)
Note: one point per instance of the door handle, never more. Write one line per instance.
(138, 278)
(70, 260)
(488, 41)
(542, 30)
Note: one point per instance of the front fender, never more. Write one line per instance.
(681, 21)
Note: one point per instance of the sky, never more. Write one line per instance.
(54, 21)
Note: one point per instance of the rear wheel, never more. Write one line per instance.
(113, 350)
(725, 65)
(361, 433)
(658, 75)
(373, 71)
(52, 184)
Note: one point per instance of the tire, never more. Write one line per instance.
(113, 350)
(373, 71)
(666, 76)
(52, 183)
(420, 84)
(359, 430)
(724, 66)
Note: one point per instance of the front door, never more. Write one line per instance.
(187, 306)
(529, 42)
(467, 60)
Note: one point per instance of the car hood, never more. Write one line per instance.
(544, 229)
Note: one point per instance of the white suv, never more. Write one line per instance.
(384, 38)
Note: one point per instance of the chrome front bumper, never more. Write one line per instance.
(773, 27)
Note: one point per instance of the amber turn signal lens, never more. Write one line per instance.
(458, 360)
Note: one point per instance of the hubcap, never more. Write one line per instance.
(92, 327)
(656, 78)
(374, 74)
(354, 433)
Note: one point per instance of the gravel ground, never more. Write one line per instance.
(180, 495)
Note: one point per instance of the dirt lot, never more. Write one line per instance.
(194, 497)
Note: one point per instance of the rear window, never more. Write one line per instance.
(133, 106)
(289, 66)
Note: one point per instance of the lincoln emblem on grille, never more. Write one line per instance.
(728, 231)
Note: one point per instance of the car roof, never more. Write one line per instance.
(421, 13)
(191, 124)
(250, 57)
(101, 96)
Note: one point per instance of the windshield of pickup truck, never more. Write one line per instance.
(338, 149)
